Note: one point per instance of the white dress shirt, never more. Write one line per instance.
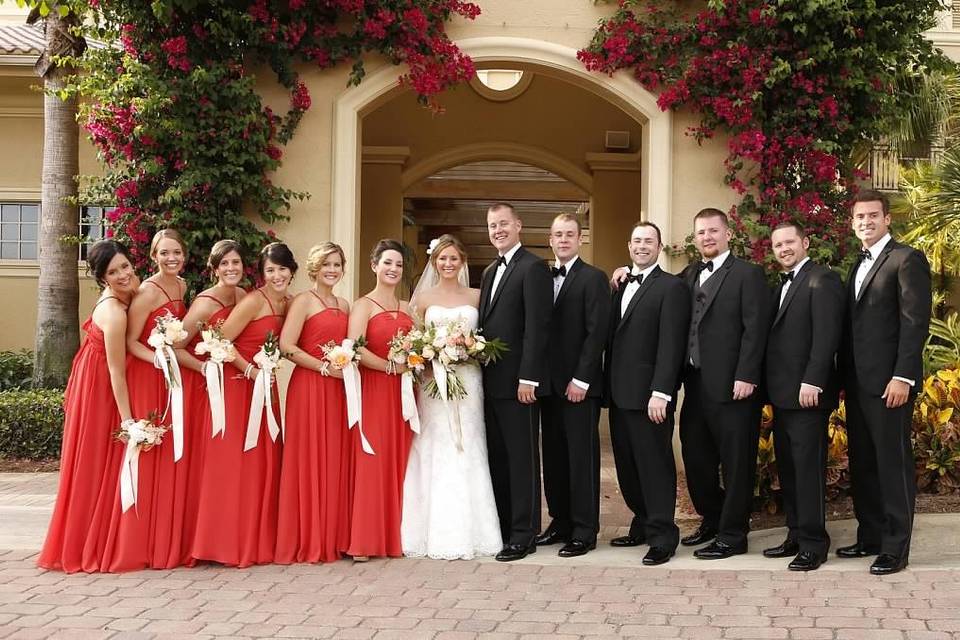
(628, 292)
(717, 263)
(501, 268)
(559, 280)
(786, 285)
(864, 268)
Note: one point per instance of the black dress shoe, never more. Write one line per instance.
(628, 541)
(576, 548)
(885, 564)
(785, 549)
(718, 550)
(512, 552)
(806, 561)
(701, 536)
(858, 550)
(657, 555)
(550, 537)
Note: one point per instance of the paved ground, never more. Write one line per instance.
(605, 594)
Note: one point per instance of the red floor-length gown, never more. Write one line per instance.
(378, 478)
(315, 481)
(90, 460)
(152, 532)
(196, 406)
(237, 517)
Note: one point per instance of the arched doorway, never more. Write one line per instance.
(378, 155)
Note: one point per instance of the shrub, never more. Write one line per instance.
(31, 423)
(16, 369)
(936, 433)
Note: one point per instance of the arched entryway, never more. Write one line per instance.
(380, 169)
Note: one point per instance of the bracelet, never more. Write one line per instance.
(246, 372)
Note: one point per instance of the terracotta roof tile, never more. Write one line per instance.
(21, 39)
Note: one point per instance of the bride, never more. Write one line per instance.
(448, 506)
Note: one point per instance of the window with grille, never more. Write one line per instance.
(20, 225)
(955, 14)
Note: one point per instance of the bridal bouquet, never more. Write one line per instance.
(267, 359)
(168, 332)
(340, 356)
(220, 350)
(139, 435)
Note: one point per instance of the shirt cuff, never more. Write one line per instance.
(580, 383)
(529, 382)
(662, 396)
(910, 382)
(814, 386)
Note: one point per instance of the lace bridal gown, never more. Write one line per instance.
(448, 506)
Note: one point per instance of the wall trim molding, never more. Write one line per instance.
(20, 194)
(21, 112)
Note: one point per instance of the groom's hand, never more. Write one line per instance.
(526, 393)
(574, 393)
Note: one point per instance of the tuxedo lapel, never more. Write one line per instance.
(798, 280)
(568, 280)
(503, 280)
(635, 300)
(488, 275)
(873, 270)
(721, 274)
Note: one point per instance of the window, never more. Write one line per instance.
(20, 225)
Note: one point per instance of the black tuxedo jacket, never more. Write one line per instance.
(578, 329)
(646, 347)
(886, 326)
(733, 330)
(804, 337)
(519, 314)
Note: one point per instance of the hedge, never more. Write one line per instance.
(31, 423)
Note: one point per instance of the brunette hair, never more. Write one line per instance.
(711, 212)
(871, 195)
(386, 244)
(319, 253)
(220, 250)
(790, 224)
(99, 256)
(173, 234)
(497, 206)
(645, 223)
(277, 253)
(568, 217)
(445, 241)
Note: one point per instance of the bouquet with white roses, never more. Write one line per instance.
(219, 350)
(268, 360)
(339, 356)
(167, 332)
(138, 435)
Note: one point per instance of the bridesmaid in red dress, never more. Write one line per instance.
(94, 405)
(314, 523)
(210, 307)
(239, 490)
(150, 534)
(378, 478)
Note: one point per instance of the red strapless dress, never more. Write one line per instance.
(90, 460)
(237, 517)
(315, 482)
(378, 478)
(152, 532)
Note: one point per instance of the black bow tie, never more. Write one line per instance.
(635, 277)
(708, 265)
(786, 277)
(865, 254)
(559, 272)
(501, 261)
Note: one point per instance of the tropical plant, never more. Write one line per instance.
(942, 350)
(936, 433)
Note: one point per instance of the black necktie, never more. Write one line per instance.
(559, 272)
(708, 265)
(786, 277)
(635, 277)
(865, 255)
(501, 261)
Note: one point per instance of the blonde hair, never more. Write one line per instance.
(319, 253)
(568, 217)
(166, 233)
(445, 241)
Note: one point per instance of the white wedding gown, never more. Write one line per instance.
(448, 507)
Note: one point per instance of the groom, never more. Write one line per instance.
(515, 305)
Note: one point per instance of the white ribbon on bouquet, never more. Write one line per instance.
(165, 359)
(352, 390)
(453, 412)
(262, 399)
(213, 373)
(408, 401)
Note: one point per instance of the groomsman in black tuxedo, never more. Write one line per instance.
(515, 306)
(571, 413)
(720, 417)
(645, 351)
(802, 385)
(886, 324)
